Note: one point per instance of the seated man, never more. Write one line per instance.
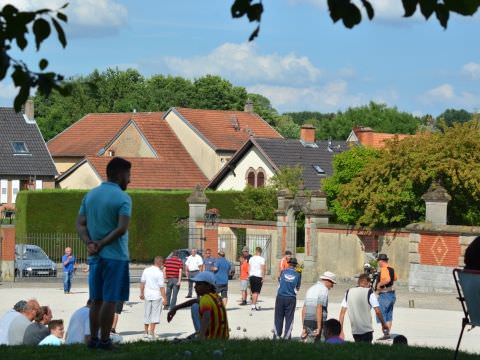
(79, 327)
(333, 329)
(38, 330)
(56, 334)
(208, 312)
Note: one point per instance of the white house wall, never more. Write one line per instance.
(252, 159)
(82, 178)
(202, 153)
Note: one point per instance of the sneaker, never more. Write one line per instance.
(105, 345)
(93, 343)
(253, 308)
(152, 337)
(243, 303)
(146, 336)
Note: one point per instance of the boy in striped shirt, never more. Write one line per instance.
(172, 269)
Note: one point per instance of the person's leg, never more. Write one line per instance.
(70, 280)
(175, 289)
(290, 304)
(65, 282)
(195, 312)
(106, 319)
(95, 286)
(155, 316)
(190, 287)
(278, 316)
(168, 291)
(95, 318)
(114, 324)
(147, 316)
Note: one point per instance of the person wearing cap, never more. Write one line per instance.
(286, 300)
(283, 264)
(315, 306)
(7, 319)
(386, 292)
(246, 253)
(359, 302)
(221, 269)
(208, 312)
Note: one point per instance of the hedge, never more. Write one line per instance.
(154, 225)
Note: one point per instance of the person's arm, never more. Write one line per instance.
(66, 262)
(186, 304)
(319, 319)
(164, 295)
(201, 266)
(179, 276)
(142, 290)
(121, 229)
(81, 225)
(187, 273)
(341, 318)
(382, 321)
(263, 267)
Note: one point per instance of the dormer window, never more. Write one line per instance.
(111, 153)
(19, 147)
(318, 170)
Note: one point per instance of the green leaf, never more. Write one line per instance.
(352, 17)
(442, 14)
(62, 16)
(427, 7)
(254, 34)
(240, 8)
(369, 8)
(410, 6)
(43, 64)
(41, 29)
(254, 12)
(463, 7)
(60, 32)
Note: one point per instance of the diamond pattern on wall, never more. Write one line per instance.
(439, 249)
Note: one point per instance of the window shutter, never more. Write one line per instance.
(3, 191)
(15, 190)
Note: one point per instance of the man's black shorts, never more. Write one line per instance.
(255, 284)
(222, 290)
(367, 337)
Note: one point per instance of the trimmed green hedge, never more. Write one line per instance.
(153, 229)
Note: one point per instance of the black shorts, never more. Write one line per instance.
(222, 290)
(255, 284)
(367, 337)
(118, 307)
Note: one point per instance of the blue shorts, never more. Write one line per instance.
(386, 301)
(108, 279)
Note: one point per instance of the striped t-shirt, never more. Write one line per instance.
(172, 266)
(212, 303)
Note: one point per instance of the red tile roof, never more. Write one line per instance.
(367, 137)
(88, 135)
(218, 126)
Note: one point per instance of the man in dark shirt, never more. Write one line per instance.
(38, 330)
(173, 273)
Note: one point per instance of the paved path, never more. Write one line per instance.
(435, 327)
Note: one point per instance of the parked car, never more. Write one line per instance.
(184, 253)
(31, 260)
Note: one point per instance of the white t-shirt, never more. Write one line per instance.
(316, 295)
(153, 279)
(193, 263)
(5, 322)
(255, 266)
(79, 326)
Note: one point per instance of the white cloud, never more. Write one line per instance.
(440, 93)
(446, 95)
(7, 90)
(85, 17)
(242, 62)
(329, 97)
(472, 70)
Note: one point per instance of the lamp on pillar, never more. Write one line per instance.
(436, 200)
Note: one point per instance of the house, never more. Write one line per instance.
(25, 163)
(173, 150)
(365, 136)
(260, 158)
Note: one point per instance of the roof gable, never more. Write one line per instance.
(31, 159)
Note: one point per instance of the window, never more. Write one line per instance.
(251, 177)
(111, 153)
(260, 179)
(319, 170)
(19, 147)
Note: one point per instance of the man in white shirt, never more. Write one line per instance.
(152, 290)
(17, 327)
(79, 326)
(315, 306)
(193, 265)
(359, 301)
(256, 273)
(7, 319)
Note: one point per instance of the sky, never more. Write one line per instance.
(301, 60)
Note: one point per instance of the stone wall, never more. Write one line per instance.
(7, 252)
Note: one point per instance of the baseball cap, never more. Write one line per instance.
(221, 252)
(328, 275)
(293, 261)
(383, 257)
(205, 276)
(245, 248)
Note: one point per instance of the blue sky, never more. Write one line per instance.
(301, 61)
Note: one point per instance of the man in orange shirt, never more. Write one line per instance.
(386, 292)
(243, 279)
(283, 265)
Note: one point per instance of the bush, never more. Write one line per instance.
(154, 225)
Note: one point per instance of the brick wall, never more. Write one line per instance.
(7, 241)
(439, 249)
(211, 239)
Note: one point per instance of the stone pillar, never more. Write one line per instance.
(197, 206)
(7, 252)
(436, 201)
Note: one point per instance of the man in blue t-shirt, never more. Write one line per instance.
(221, 269)
(286, 299)
(68, 262)
(102, 224)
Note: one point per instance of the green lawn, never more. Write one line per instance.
(234, 349)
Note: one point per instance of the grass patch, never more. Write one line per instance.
(234, 349)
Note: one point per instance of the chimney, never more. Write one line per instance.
(248, 106)
(307, 133)
(29, 110)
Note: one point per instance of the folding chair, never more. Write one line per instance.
(468, 287)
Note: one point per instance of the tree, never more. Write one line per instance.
(213, 92)
(451, 116)
(387, 192)
(263, 107)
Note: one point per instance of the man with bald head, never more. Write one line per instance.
(19, 325)
(68, 262)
